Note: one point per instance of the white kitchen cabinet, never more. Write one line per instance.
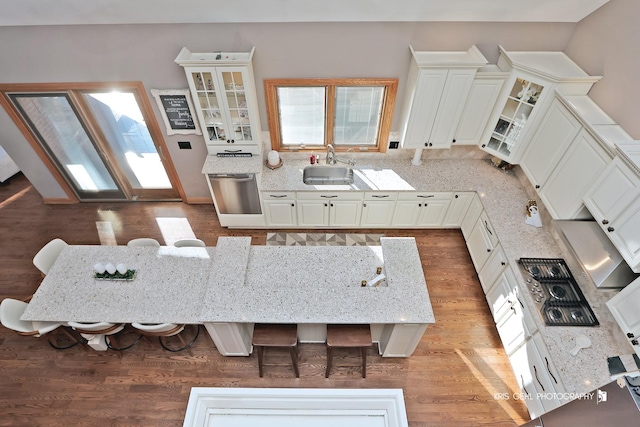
(280, 208)
(614, 201)
(556, 131)
(318, 209)
(472, 215)
(500, 293)
(415, 209)
(458, 209)
(526, 96)
(495, 265)
(437, 88)
(482, 241)
(483, 95)
(583, 162)
(377, 209)
(231, 339)
(225, 100)
(625, 309)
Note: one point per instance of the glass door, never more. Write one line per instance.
(100, 142)
(55, 122)
(208, 99)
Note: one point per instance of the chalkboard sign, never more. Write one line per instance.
(175, 107)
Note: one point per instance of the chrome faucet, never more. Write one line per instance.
(332, 159)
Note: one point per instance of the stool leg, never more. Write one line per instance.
(329, 360)
(294, 360)
(259, 349)
(364, 362)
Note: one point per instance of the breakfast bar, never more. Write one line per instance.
(234, 285)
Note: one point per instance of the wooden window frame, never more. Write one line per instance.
(271, 92)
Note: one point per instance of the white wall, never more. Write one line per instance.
(607, 43)
(146, 53)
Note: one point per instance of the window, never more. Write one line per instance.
(348, 113)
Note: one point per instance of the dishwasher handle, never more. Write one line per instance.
(236, 177)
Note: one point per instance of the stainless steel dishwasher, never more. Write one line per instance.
(236, 193)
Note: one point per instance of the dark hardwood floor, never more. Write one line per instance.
(449, 381)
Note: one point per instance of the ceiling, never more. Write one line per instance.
(79, 12)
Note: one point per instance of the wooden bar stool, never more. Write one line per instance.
(276, 335)
(348, 336)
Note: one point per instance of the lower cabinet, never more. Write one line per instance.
(400, 340)
(481, 241)
(421, 209)
(280, 209)
(624, 307)
(378, 209)
(318, 209)
(537, 376)
(471, 216)
(495, 265)
(458, 209)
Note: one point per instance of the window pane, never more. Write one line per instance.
(58, 127)
(123, 126)
(302, 115)
(358, 112)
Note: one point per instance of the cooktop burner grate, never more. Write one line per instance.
(558, 295)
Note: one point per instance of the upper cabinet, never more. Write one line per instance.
(527, 93)
(224, 94)
(437, 88)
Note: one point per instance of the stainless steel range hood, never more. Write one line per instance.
(599, 259)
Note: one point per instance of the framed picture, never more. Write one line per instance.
(176, 109)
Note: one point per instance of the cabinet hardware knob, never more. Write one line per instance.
(630, 335)
(431, 144)
(488, 250)
(419, 205)
(331, 204)
(503, 263)
(610, 229)
(634, 342)
(293, 205)
(605, 221)
(456, 196)
(426, 144)
(325, 204)
(537, 186)
(365, 205)
(426, 204)
(454, 140)
(484, 145)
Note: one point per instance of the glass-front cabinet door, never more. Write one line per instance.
(518, 107)
(235, 96)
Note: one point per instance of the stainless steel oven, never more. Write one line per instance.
(236, 193)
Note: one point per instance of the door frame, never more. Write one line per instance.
(136, 87)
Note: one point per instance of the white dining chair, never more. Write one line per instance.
(46, 256)
(164, 330)
(94, 332)
(143, 241)
(10, 312)
(189, 243)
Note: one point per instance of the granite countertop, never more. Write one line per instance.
(277, 285)
(504, 199)
(215, 164)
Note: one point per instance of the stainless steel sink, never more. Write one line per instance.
(327, 175)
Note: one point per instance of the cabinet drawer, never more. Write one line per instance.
(278, 195)
(426, 196)
(326, 195)
(380, 195)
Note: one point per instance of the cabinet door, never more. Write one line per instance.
(554, 134)
(345, 213)
(583, 162)
(280, 213)
(624, 232)
(471, 217)
(495, 265)
(236, 88)
(479, 244)
(208, 99)
(377, 213)
(624, 307)
(477, 109)
(424, 107)
(313, 213)
(520, 363)
(457, 209)
(612, 192)
(454, 95)
(500, 297)
(433, 211)
(406, 213)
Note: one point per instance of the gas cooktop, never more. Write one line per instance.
(556, 293)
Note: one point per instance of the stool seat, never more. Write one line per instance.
(348, 336)
(276, 335)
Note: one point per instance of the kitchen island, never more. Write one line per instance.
(315, 286)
